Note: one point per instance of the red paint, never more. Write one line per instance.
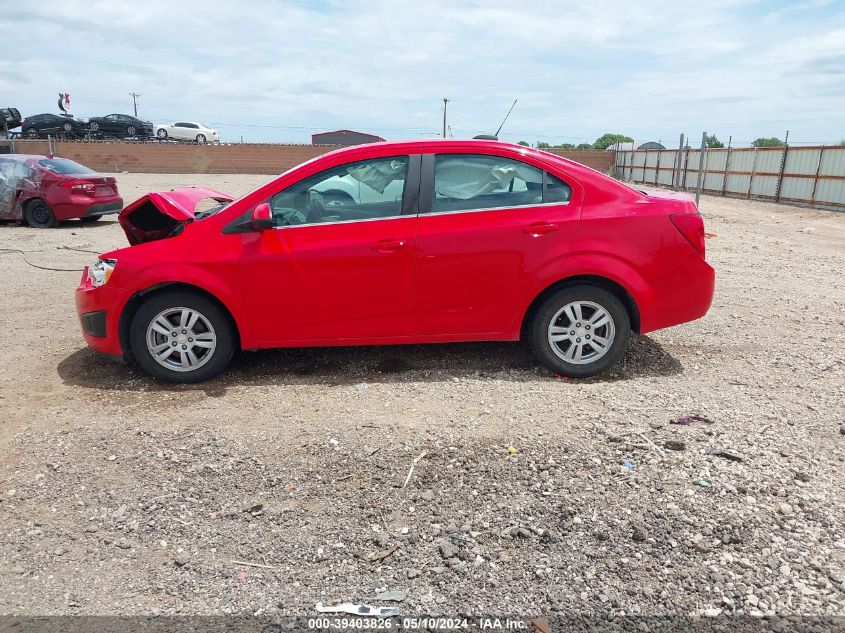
(70, 196)
(461, 276)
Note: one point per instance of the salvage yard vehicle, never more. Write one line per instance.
(43, 191)
(187, 131)
(119, 125)
(42, 125)
(444, 241)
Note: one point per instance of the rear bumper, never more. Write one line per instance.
(81, 206)
(99, 311)
(685, 295)
(105, 208)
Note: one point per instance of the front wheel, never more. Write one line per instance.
(131, 131)
(181, 337)
(579, 331)
(200, 138)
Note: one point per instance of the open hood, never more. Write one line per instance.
(163, 214)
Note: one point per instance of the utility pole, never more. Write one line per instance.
(445, 101)
(135, 96)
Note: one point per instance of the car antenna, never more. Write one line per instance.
(513, 105)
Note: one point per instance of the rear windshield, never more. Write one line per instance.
(64, 166)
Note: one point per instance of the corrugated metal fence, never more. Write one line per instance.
(802, 175)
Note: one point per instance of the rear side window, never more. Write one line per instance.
(466, 182)
(556, 190)
(64, 166)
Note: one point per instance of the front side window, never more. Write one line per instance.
(465, 182)
(363, 190)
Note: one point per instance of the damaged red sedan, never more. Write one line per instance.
(44, 190)
(400, 242)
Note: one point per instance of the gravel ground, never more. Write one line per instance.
(283, 482)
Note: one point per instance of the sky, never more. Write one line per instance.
(280, 70)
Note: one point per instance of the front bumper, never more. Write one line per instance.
(99, 311)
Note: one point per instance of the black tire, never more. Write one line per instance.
(551, 309)
(210, 311)
(31, 133)
(131, 130)
(162, 133)
(200, 138)
(94, 127)
(39, 215)
(90, 219)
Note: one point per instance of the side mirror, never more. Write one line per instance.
(262, 217)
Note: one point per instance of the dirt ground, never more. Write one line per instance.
(280, 484)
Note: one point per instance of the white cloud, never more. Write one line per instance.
(279, 70)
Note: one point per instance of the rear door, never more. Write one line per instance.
(337, 268)
(489, 228)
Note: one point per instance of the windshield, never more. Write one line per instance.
(64, 166)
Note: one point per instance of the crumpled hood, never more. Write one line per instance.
(163, 214)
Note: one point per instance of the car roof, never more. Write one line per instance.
(433, 145)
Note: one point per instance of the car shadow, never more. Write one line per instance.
(333, 366)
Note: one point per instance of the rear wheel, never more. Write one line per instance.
(182, 337)
(580, 331)
(162, 133)
(39, 215)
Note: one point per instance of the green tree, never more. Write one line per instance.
(606, 140)
(767, 142)
(565, 146)
(524, 143)
(584, 147)
(542, 145)
(713, 142)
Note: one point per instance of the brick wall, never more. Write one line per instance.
(597, 159)
(246, 158)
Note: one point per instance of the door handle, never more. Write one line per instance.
(539, 229)
(389, 246)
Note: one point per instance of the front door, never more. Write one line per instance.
(338, 266)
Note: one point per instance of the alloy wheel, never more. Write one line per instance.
(181, 339)
(581, 332)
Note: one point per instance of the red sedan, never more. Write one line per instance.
(43, 190)
(400, 242)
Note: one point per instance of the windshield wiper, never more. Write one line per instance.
(204, 214)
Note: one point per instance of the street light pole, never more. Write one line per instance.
(445, 101)
(135, 96)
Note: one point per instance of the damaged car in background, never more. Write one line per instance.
(432, 241)
(44, 190)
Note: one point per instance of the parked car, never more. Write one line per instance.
(187, 131)
(121, 125)
(42, 125)
(10, 118)
(446, 241)
(43, 191)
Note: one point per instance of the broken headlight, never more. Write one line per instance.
(99, 273)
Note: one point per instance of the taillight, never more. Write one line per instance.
(691, 226)
(79, 186)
